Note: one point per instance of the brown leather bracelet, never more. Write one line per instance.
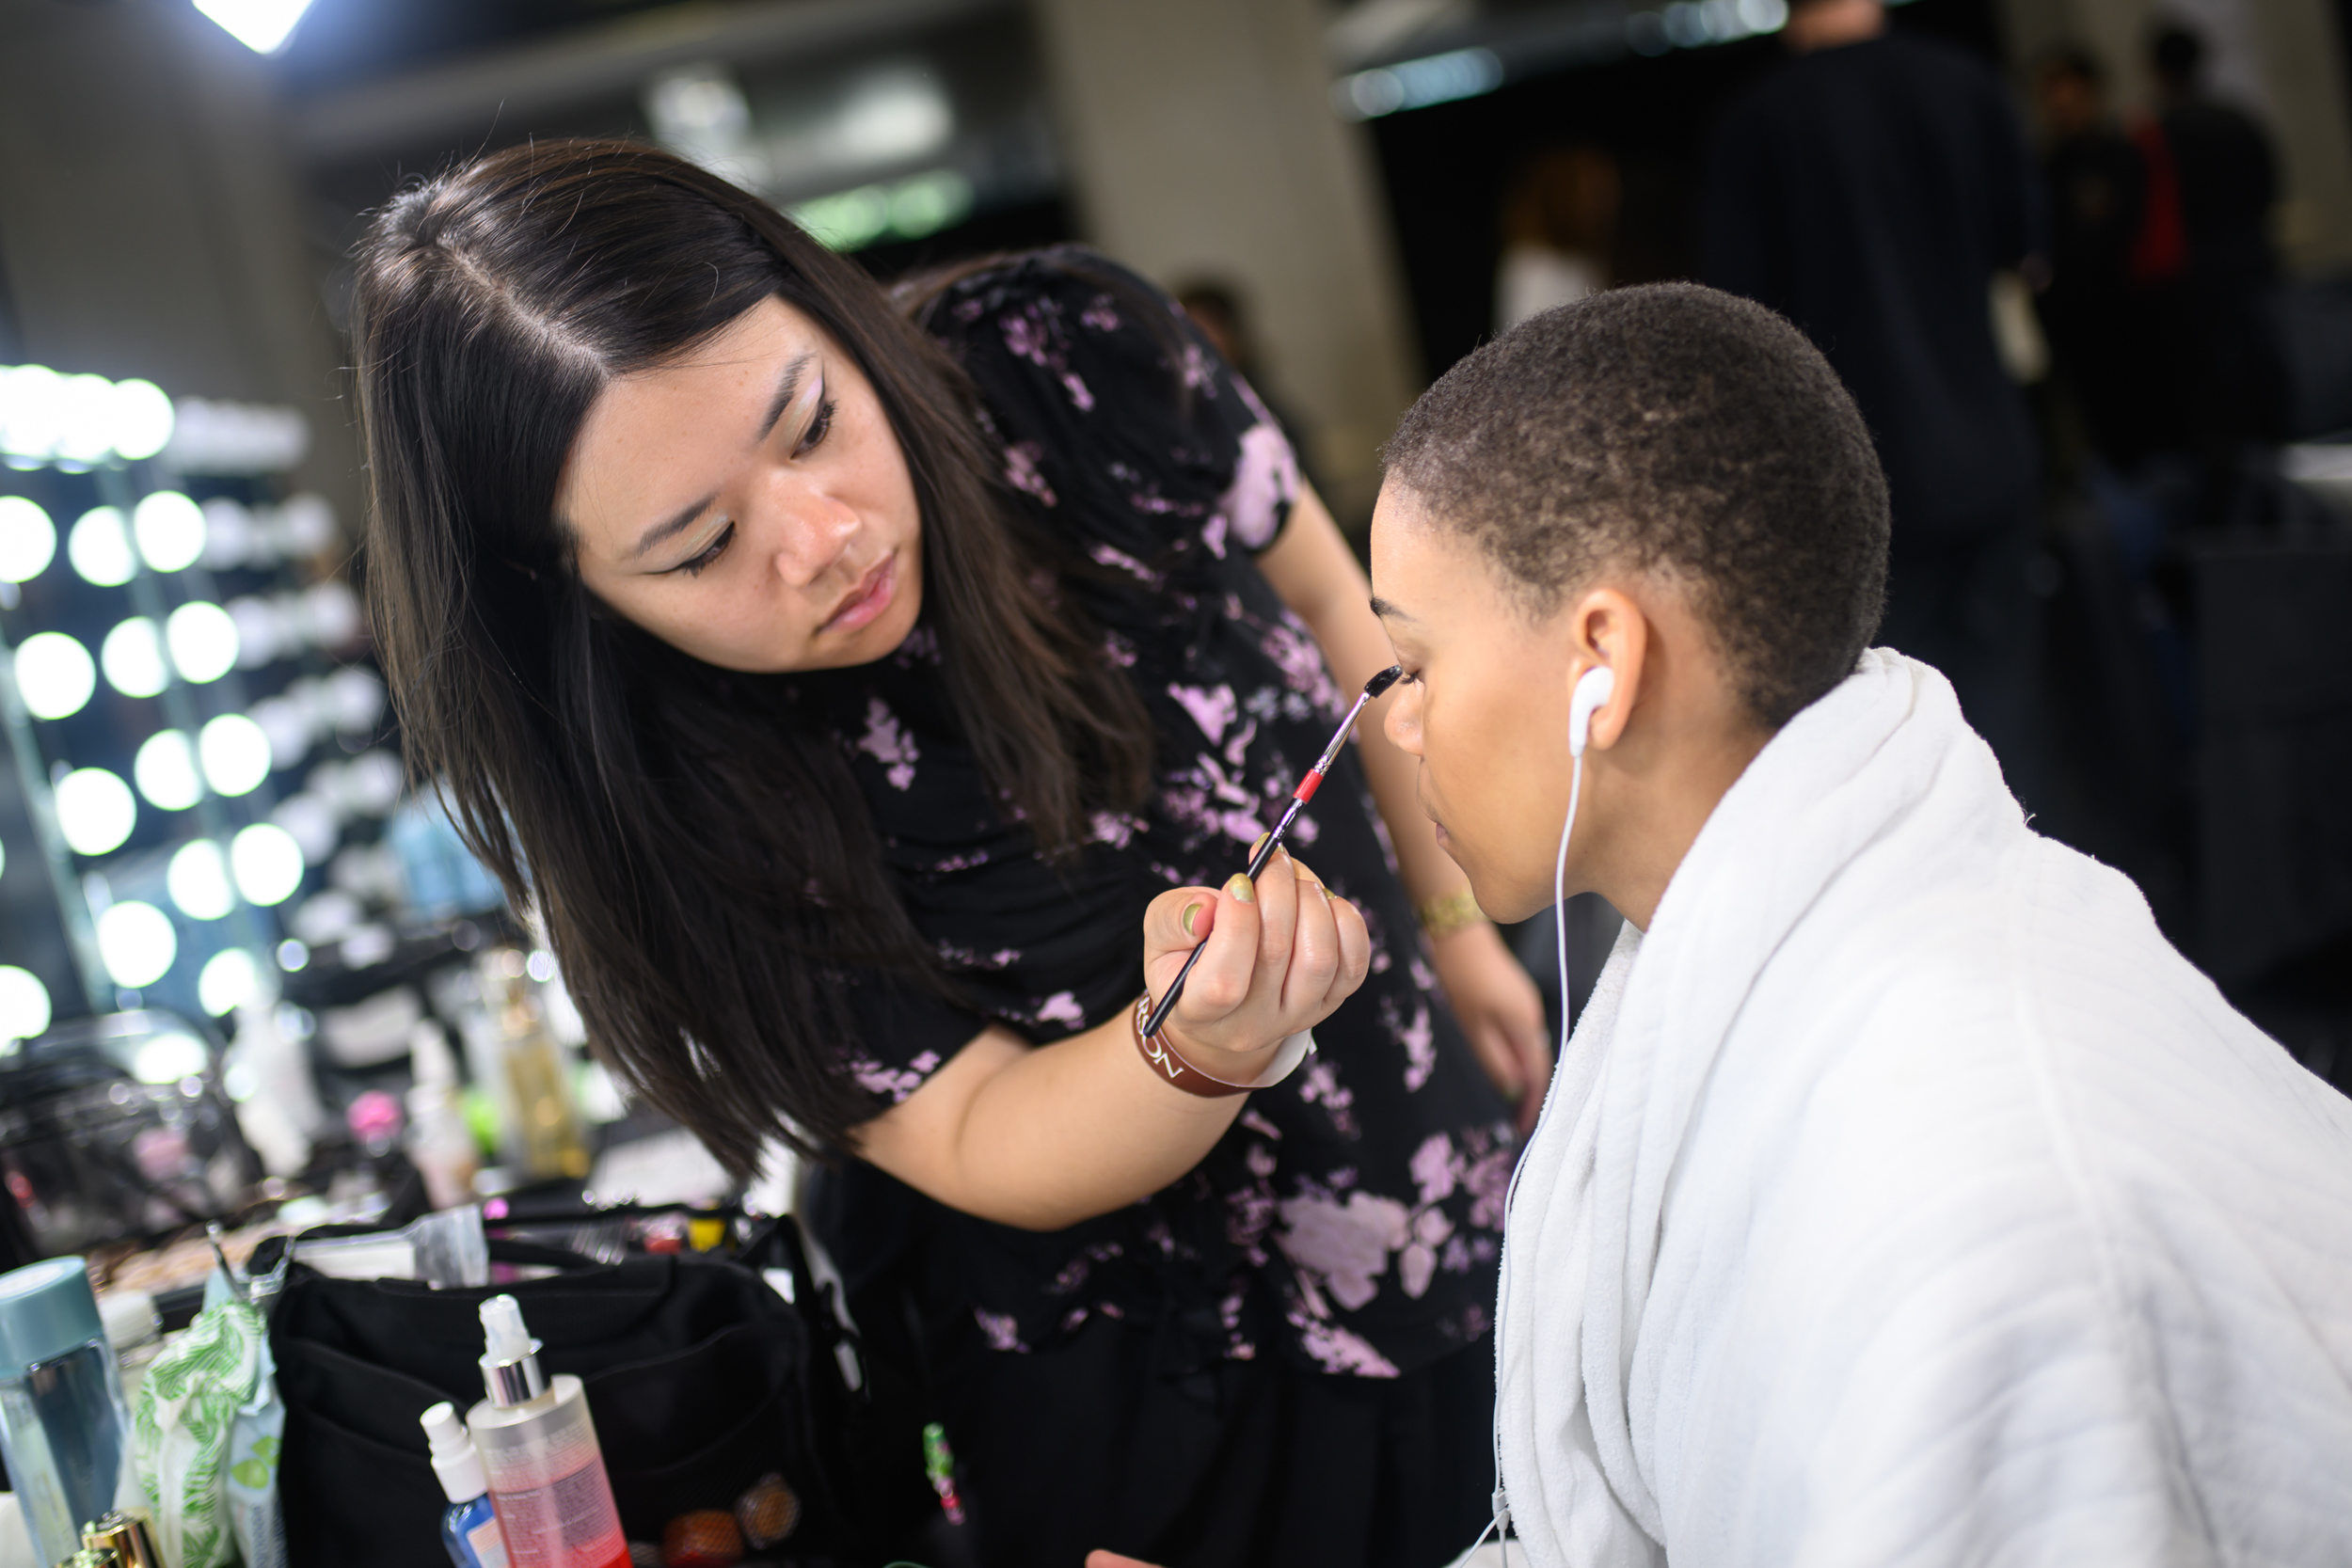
(1184, 1075)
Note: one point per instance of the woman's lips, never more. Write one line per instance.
(873, 597)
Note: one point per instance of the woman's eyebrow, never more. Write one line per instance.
(676, 526)
(1386, 610)
(787, 387)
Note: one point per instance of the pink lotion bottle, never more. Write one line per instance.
(538, 1446)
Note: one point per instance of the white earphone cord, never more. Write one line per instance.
(1500, 1524)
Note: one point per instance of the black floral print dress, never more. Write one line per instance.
(1351, 1218)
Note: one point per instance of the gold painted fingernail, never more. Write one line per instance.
(1191, 912)
(1239, 887)
(1259, 845)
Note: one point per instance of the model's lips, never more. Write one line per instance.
(871, 596)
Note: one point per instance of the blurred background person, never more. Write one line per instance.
(1869, 191)
(1217, 306)
(2092, 308)
(1559, 226)
(2205, 254)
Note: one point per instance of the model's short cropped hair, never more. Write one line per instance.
(1678, 430)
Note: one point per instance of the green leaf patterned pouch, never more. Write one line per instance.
(181, 1432)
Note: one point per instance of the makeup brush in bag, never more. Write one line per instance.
(1300, 797)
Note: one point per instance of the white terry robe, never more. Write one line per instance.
(1903, 1198)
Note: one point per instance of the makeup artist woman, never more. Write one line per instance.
(854, 685)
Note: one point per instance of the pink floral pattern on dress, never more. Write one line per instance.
(1211, 710)
(1349, 1218)
(896, 1083)
(1263, 487)
(1021, 472)
(887, 742)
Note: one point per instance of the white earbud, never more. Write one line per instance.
(1592, 691)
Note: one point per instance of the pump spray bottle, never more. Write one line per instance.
(545, 1472)
(469, 1526)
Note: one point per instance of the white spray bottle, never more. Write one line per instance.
(547, 1474)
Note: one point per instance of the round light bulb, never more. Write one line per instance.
(171, 530)
(99, 547)
(197, 880)
(228, 978)
(203, 641)
(229, 534)
(132, 658)
(235, 753)
(28, 540)
(168, 1058)
(86, 419)
(289, 727)
(355, 699)
(314, 823)
(267, 863)
(24, 1003)
(261, 630)
(31, 397)
(137, 944)
(142, 419)
(54, 674)
(164, 771)
(95, 812)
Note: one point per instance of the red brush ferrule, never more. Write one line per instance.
(1307, 787)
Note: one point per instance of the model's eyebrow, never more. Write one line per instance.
(1386, 610)
(787, 387)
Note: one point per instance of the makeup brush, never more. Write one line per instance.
(1300, 797)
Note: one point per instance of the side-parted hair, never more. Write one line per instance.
(707, 870)
(1668, 428)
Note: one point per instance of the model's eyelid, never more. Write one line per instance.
(806, 407)
(709, 551)
(818, 425)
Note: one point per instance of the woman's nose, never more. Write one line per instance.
(817, 528)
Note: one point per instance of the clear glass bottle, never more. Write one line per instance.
(63, 1428)
(532, 1080)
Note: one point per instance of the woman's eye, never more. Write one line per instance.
(693, 566)
(818, 428)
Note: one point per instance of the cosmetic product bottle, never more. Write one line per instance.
(135, 1332)
(539, 1451)
(128, 1534)
(440, 1145)
(470, 1525)
(526, 1070)
(63, 1429)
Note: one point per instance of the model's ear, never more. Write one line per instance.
(1603, 630)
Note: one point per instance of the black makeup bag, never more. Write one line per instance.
(706, 1374)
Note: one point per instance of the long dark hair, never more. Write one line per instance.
(696, 847)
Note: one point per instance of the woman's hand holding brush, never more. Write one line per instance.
(1273, 959)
